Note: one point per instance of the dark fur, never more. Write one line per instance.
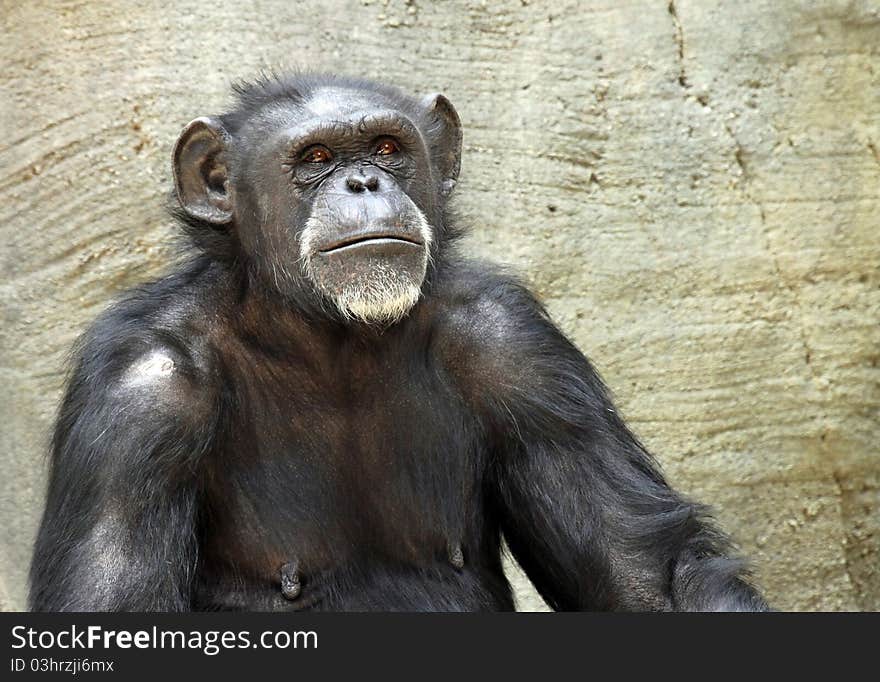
(364, 455)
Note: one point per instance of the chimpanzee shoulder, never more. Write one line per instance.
(151, 348)
(489, 325)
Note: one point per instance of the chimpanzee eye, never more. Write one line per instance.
(316, 154)
(386, 146)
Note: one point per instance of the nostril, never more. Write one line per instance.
(355, 183)
(359, 183)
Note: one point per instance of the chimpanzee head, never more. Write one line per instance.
(332, 190)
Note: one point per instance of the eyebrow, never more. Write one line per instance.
(378, 123)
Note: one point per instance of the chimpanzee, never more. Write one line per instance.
(328, 406)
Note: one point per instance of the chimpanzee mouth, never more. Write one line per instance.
(384, 239)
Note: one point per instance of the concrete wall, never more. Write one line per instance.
(692, 187)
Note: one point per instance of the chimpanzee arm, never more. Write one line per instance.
(118, 531)
(583, 505)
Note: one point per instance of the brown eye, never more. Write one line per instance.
(387, 146)
(316, 154)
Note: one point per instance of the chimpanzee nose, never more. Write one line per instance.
(358, 183)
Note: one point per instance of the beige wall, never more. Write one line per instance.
(692, 187)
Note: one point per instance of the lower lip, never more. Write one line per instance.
(378, 241)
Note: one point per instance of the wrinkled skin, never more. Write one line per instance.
(328, 407)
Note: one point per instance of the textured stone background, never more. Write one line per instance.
(692, 187)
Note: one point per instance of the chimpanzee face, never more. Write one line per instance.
(348, 207)
(337, 193)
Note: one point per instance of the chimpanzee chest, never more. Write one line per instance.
(377, 465)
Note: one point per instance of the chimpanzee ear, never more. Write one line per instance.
(448, 149)
(200, 173)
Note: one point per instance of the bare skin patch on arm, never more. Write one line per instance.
(155, 368)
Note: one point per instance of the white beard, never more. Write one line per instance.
(384, 295)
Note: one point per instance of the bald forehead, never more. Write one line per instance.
(335, 101)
